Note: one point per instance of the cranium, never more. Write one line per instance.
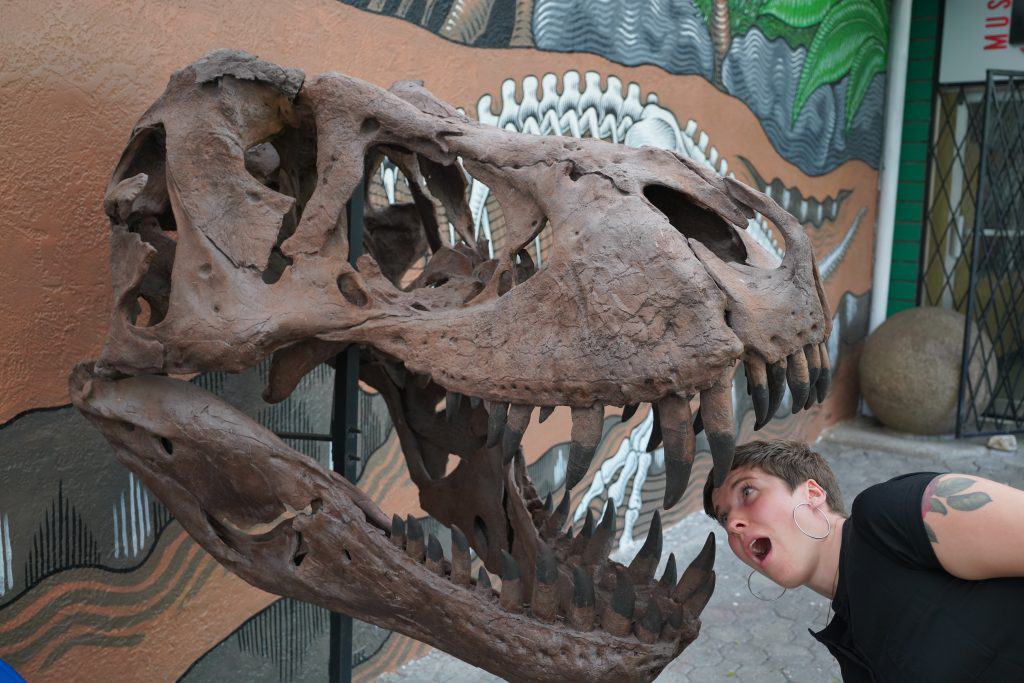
(228, 218)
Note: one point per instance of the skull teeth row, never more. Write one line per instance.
(573, 581)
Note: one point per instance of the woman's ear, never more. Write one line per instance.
(815, 494)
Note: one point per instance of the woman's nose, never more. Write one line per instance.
(734, 524)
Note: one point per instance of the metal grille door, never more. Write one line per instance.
(992, 400)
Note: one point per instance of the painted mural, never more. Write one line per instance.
(97, 580)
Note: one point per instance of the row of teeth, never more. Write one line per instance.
(573, 581)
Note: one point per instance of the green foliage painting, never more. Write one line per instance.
(842, 37)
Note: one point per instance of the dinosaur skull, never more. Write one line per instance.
(228, 216)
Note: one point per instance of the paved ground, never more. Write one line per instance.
(744, 639)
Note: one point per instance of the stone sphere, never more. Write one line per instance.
(910, 370)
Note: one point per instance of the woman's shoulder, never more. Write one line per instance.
(890, 517)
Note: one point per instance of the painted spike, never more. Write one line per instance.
(645, 563)
(716, 409)
(798, 379)
(586, 433)
(517, 422)
(680, 446)
(757, 385)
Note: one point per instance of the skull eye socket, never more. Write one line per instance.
(697, 222)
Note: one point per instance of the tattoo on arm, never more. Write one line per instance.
(954, 492)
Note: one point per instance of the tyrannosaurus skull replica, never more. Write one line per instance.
(229, 245)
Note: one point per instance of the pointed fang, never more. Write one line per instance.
(825, 376)
(545, 413)
(776, 388)
(398, 531)
(655, 439)
(669, 576)
(629, 411)
(798, 378)
(680, 446)
(586, 433)
(696, 574)
(497, 414)
(716, 409)
(645, 563)
(452, 402)
(757, 384)
(516, 423)
(618, 618)
(461, 570)
(600, 544)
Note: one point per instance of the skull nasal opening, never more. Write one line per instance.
(697, 222)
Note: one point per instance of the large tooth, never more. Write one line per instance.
(435, 556)
(757, 385)
(655, 438)
(629, 410)
(497, 414)
(618, 618)
(825, 375)
(545, 593)
(649, 627)
(553, 525)
(667, 582)
(511, 584)
(474, 402)
(549, 505)
(515, 426)
(813, 363)
(716, 409)
(586, 433)
(581, 609)
(645, 563)
(452, 401)
(776, 387)
(696, 575)
(579, 544)
(414, 546)
(680, 446)
(397, 373)
(397, 531)
(483, 582)
(798, 379)
(461, 570)
(600, 544)
(698, 422)
(545, 413)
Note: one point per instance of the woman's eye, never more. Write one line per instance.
(746, 489)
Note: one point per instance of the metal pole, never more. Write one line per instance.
(344, 433)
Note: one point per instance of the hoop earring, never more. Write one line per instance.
(749, 576)
(823, 516)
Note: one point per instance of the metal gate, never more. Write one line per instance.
(972, 253)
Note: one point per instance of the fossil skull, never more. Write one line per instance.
(228, 218)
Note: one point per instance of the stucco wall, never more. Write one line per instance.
(74, 76)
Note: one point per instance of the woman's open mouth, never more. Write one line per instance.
(760, 548)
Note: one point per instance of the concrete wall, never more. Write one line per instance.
(98, 582)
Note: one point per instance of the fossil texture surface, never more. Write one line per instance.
(229, 246)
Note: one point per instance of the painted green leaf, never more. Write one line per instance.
(968, 501)
(842, 34)
(798, 13)
(869, 62)
(931, 534)
(937, 506)
(947, 487)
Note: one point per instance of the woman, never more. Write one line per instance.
(924, 575)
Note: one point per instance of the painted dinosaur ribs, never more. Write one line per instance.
(228, 246)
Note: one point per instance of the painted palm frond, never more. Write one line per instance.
(851, 40)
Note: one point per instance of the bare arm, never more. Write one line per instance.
(976, 526)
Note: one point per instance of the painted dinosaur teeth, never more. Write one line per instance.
(435, 556)
(813, 364)
(680, 446)
(716, 410)
(825, 374)
(698, 422)
(649, 627)
(668, 577)
(776, 388)
(461, 571)
(452, 402)
(497, 414)
(554, 523)
(414, 544)
(483, 582)
(545, 588)
(618, 618)
(586, 433)
(511, 584)
(629, 411)
(696, 575)
(517, 420)
(600, 544)
(545, 413)
(798, 378)
(757, 386)
(655, 439)
(474, 402)
(581, 609)
(398, 531)
(645, 563)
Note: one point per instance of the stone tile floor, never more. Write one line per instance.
(743, 638)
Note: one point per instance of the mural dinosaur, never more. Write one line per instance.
(228, 245)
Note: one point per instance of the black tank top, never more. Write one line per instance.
(899, 616)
